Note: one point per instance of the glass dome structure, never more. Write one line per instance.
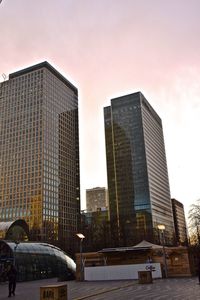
(14, 230)
(36, 260)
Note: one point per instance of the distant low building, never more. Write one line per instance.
(96, 199)
(100, 214)
(96, 228)
(108, 263)
(179, 222)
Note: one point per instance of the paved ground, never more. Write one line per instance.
(178, 289)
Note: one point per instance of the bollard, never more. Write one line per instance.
(53, 292)
(145, 277)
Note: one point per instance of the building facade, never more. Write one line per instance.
(138, 185)
(179, 222)
(96, 199)
(39, 154)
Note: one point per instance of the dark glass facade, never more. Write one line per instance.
(179, 222)
(139, 195)
(35, 261)
(39, 154)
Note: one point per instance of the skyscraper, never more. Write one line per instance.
(39, 153)
(139, 194)
(179, 222)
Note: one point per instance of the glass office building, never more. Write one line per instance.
(139, 194)
(179, 222)
(39, 154)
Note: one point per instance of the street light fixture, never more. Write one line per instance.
(161, 227)
(14, 252)
(81, 237)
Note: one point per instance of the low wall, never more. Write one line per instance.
(120, 272)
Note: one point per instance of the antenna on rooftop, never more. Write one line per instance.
(4, 75)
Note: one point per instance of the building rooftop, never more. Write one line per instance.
(46, 65)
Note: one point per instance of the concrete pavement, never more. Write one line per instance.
(177, 289)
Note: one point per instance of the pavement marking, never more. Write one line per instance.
(103, 292)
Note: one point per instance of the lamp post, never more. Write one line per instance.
(161, 228)
(14, 252)
(81, 237)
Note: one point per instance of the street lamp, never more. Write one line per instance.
(14, 252)
(81, 237)
(161, 227)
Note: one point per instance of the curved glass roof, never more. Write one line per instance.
(14, 230)
(36, 260)
(41, 248)
(4, 226)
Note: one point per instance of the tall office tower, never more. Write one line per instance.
(96, 199)
(179, 222)
(39, 153)
(139, 194)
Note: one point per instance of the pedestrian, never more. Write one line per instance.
(12, 276)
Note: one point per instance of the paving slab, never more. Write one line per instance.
(160, 289)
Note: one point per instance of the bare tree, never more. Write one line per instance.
(194, 222)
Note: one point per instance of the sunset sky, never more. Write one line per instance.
(109, 48)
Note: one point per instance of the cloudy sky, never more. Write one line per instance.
(108, 48)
